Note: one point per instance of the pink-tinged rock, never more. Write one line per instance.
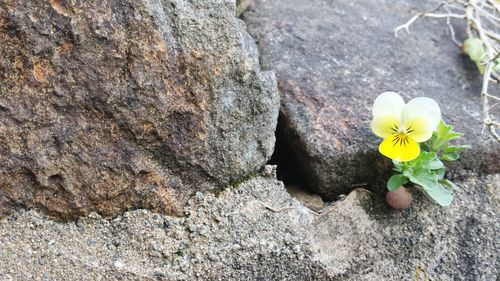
(399, 199)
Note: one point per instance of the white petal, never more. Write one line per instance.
(422, 108)
(388, 103)
(385, 125)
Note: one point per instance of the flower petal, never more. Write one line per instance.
(422, 115)
(399, 148)
(420, 129)
(385, 125)
(388, 103)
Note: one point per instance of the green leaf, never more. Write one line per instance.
(453, 135)
(480, 66)
(442, 129)
(439, 194)
(428, 145)
(427, 171)
(428, 160)
(435, 164)
(425, 178)
(496, 67)
(449, 184)
(450, 156)
(398, 165)
(440, 173)
(445, 132)
(395, 181)
(475, 49)
(455, 148)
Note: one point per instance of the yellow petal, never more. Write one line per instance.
(400, 147)
(385, 125)
(419, 128)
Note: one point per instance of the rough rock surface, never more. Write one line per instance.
(311, 201)
(361, 238)
(232, 237)
(111, 105)
(242, 6)
(258, 232)
(332, 58)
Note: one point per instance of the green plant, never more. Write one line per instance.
(474, 47)
(427, 171)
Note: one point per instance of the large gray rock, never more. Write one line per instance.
(112, 105)
(258, 232)
(230, 237)
(332, 58)
(361, 238)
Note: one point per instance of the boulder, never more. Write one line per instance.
(257, 231)
(332, 58)
(253, 232)
(113, 105)
(361, 238)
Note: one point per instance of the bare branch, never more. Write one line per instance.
(475, 13)
(406, 26)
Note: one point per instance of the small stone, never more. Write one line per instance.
(213, 257)
(155, 246)
(296, 249)
(200, 195)
(193, 228)
(184, 244)
(30, 251)
(203, 230)
(399, 199)
(158, 272)
(90, 242)
(167, 224)
(119, 264)
(312, 201)
(94, 216)
(287, 239)
(269, 171)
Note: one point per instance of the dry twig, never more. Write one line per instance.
(483, 20)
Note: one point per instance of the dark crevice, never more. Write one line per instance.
(295, 171)
(292, 166)
(285, 158)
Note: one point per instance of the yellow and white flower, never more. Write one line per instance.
(403, 125)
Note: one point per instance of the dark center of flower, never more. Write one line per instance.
(400, 139)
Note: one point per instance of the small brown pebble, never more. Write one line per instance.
(399, 198)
